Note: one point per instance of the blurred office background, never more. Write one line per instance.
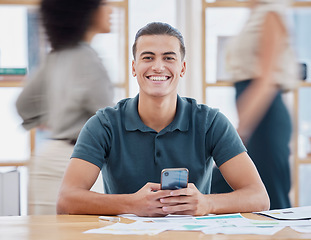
(206, 26)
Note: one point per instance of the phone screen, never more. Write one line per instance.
(174, 178)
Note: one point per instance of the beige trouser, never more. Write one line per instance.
(46, 171)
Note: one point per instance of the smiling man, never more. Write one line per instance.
(158, 68)
(132, 142)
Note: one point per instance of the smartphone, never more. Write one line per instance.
(174, 178)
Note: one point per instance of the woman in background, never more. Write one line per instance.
(68, 88)
(262, 66)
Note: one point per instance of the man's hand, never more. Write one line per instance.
(188, 201)
(146, 201)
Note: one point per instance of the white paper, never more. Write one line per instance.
(136, 228)
(244, 230)
(270, 223)
(109, 218)
(158, 219)
(211, 224)
(297, 213)
(302, 229)
(220, 216)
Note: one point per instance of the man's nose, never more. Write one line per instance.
(158, 66)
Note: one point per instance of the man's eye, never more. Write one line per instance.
(147, 58)
(169, 58)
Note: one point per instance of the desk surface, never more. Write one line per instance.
(71, 227)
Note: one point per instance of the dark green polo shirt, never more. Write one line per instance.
(131, 154)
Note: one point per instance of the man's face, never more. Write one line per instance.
(158, 65)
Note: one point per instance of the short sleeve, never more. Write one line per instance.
(224, 140)
(93, 143)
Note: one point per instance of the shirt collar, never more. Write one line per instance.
(132, 118)
(180, 122)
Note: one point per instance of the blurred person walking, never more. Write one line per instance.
(262, 65)
(69, 87)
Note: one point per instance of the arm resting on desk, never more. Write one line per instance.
(249, 191)
(75, 197)
(249, 195)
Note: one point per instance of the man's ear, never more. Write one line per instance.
(183, 69)
(133, 68)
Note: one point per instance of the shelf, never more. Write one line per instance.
(304, 160)
(305, 84)
(226, 4)
(20, 2)
(36, 2)
(14, 164)
(118, 4)
(219, 84)
(229, 3)
(301, 4)
(12, 81)
(229, 84)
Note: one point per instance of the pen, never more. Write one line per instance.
(110, 219)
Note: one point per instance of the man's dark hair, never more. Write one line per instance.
(159, 28)
(66, 21)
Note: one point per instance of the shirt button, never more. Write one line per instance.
(158, 154)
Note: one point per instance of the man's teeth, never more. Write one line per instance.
(158, 78)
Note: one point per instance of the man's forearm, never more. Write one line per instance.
(87, 202)
(242, 200)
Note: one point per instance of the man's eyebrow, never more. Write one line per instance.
(169, 53)
(147, 53)
(152, 53)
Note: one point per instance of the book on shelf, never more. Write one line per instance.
(11, 78)
(13, 71)
(12, 74)
(9, 193)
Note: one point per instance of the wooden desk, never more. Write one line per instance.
(71, 227)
